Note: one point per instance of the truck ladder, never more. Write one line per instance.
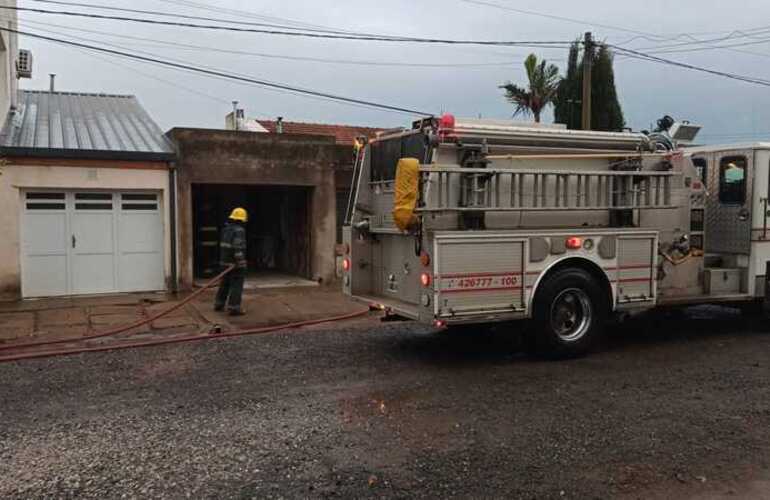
(354, 186)
(513, 190)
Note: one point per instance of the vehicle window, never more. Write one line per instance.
(732, 180)
(701, 166)
(386, 153)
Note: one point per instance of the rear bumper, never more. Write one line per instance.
(390, 306)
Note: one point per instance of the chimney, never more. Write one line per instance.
(235, 115)
(279, 125)
(53, 82)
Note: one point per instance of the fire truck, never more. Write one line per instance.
(463, 222)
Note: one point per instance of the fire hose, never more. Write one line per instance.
(150, 343)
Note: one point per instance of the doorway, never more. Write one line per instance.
(277, 233)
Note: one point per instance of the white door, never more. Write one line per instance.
(140, 243)
(76, 243)
(93, 244)
(45, 243)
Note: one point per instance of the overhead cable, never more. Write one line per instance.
(293, 33)
(266, 55)
(225, 75)
(648, 57)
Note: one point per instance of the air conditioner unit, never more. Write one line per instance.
(24, 64)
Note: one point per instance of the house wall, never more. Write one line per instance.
(67, 174)
(9, 49)
(229, 157)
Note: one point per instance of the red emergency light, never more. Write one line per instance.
(346, 264)
(426, 279)
(574, 243)
(446, 126)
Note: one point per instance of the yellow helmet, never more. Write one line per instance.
(239, 214)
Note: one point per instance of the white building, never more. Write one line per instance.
(85, 198)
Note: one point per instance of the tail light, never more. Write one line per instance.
(426, 279)
(574, 243)
(346, 264)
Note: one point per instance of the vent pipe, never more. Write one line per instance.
(279, 125)
(235, 115)
(53, 82)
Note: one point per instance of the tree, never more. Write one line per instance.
(606, 112)
(541, 91)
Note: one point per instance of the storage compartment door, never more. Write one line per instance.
(479, 275)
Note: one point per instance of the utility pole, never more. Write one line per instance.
(588, 61)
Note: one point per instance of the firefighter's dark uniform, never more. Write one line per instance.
(232, 251)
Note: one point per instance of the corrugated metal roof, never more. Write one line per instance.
(70, 124)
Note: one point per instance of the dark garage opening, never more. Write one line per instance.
(277, 232)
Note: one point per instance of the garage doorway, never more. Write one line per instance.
(278, 233)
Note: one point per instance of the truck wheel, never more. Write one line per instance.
(570, 310)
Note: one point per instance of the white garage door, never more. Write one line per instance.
(77, 243)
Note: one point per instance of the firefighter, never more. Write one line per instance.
(232, 251)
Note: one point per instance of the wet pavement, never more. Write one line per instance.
(73, 318)
(675, 407)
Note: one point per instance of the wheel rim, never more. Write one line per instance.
(571, 315)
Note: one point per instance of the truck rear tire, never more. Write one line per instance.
(570, 310)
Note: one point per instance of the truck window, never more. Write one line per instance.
(701, 166)
(386, 153)
(732, 180)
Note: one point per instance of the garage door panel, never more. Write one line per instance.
(141, 272)
(93, 233)
(45, 233)
(45, 276)
(140, 233)
(93, 273)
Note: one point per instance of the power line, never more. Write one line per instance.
(223, 74)
(647, 57)
(195, 18)
(639, 34)
(557, 18)
(293, 33)
(185, 46)
(247, 14)
(154, 77)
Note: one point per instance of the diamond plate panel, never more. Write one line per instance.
(725, 232)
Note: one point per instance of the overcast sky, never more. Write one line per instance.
(729, 110)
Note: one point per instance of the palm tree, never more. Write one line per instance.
(543, 83)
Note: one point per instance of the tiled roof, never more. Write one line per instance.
(68, 124)
(343, 134)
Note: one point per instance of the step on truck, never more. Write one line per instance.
(462, 222)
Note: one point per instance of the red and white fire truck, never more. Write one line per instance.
(457, 222)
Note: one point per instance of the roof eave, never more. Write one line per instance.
(83, 154)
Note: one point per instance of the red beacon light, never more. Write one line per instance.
(446, 125)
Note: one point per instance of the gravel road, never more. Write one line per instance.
(672, 409)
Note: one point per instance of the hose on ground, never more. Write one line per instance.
(124, 328)
(179, 340)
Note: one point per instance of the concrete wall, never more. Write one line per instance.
(9, 51)
(15, 178)
(228, 157)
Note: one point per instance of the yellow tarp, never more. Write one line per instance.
(405, 197)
